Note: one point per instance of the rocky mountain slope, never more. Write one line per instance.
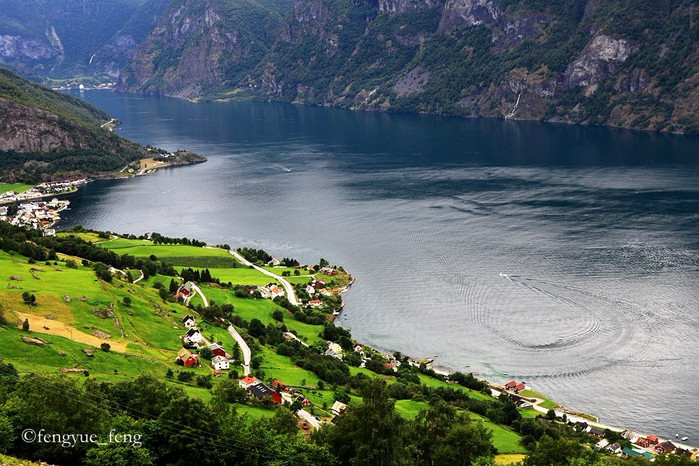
(45, 134)
(64, 39)
(621, 63)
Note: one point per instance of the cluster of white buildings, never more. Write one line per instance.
(41, 190)
(37, 215)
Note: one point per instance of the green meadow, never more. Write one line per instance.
(15, 187)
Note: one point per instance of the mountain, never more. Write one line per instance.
(59, 39)
(620, 63)
(45, 134)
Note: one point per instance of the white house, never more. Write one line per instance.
(188, 321)
(220, 363)
(193, 336)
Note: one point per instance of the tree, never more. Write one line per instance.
(283, 422)
(7, 435)
(278, 315)
(173, 286)
(237, 353)
(206, 352)
(118, 455)
(185, 376)
(169, 374)
(25, 325)
(256, 328)
(105, 347)
(127, 301)
(370, 433)
(28, 298)
(463, 444)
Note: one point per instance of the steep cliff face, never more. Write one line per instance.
(59, 39)
(203, 47)
(28, 129)
(43, 133)
(579, 61)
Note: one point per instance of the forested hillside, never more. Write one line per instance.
(46, 134)
(622, 63)
(65, 39)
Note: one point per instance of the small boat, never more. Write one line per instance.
(684, 439)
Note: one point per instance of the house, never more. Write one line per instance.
(629, 435)
(315, 303)
(653, 439)
(245, 382)
(275, 291)
(310, 290)
(193, 336)
(220, 363)
(596, 432)
(614, 448)
(338, 408)
(520, 386)
(318, 284)
(334, 347)
(187, 358)
(510, 385)
(218, 350)
(260, 390)
(601, 444)
(665, 447)
(188, 321)
(332, 354)
(642, 442)
(581, 426)
(185, 291)
(280, 386)
(304, 402)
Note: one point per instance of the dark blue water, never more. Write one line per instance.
(564, 256)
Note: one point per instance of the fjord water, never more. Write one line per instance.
(563, 256)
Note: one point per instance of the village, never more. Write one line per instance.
(611, 438)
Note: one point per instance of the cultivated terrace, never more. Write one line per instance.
(207, 361)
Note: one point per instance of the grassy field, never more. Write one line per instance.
(547, 403)
(430, 382)
(15, 187)
(240, 276)
(409, 409)
(89, 237)
(505, 439)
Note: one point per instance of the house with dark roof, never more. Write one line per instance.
(665, 447)
(188, 321)
(260, 390)
(193, 336)
(596, 432)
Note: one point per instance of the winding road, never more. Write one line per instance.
(290, 295)
(243, 347)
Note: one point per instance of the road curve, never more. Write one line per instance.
(290, 295)
(203, 298)
(243, 347)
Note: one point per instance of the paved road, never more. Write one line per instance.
(243, 347)
(306, 416)
(203, 298)
(290, 295)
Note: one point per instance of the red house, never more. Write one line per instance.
(665, 447)
(280, 386)
(186, 358)
(643, 442)
(510, 385)
(652, 439)
(217, 350)
(519, 387)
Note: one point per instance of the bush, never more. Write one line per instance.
(185, 376)
(71, 264)
(105, 347)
